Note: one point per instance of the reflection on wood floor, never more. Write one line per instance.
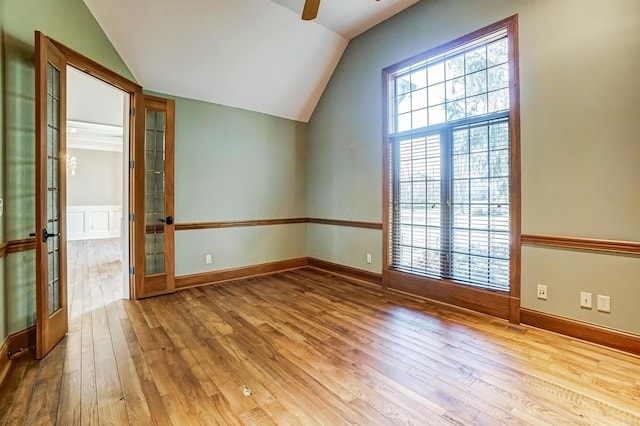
(304, 347)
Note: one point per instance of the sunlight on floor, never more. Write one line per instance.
(94, 274)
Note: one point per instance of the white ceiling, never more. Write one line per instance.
(95, 113)
(252, 54)
(350, 18)
(93, 101)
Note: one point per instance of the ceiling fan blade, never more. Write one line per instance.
(310, 10)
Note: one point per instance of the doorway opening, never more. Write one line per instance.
(97, 189)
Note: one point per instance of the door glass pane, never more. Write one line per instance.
(53, 189)
(154, 188)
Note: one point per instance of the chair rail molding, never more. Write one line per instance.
(587, 244)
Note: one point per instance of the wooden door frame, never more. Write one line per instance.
(134, 90)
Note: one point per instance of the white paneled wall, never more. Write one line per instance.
(92, 222)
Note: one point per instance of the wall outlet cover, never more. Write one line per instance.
(542, 291)
(604, 303)
(585, 300)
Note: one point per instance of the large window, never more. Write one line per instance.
(449, 194)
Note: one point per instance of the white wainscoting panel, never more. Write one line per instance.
(93, 222)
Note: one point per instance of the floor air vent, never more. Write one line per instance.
(509, 327)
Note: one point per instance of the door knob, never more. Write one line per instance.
(46, 235)
(168, 220)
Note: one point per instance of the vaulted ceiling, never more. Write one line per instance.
(251, 54)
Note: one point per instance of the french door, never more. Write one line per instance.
(150, 188)
(51, 254)
(154, 201)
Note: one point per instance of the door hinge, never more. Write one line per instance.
(131, 217)
(132, 270)
(132, 112)
(132, 164)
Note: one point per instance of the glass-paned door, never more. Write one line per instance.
(155, 271)
(51, 279)
(154, 190)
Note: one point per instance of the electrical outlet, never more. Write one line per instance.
(369, 258)
(604, 303)
(585, 300)
(542, 291)
(208, 259)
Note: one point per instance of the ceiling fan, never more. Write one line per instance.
(310, 10)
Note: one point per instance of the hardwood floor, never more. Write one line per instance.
(311, 348)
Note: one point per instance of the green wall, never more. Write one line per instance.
(233, 164)
(2, 127)
(3, 290)
(580, 151)
(19, 169)
(70, 22)
(580, 98)
(67, 21)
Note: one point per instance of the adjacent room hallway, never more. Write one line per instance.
(304, 347)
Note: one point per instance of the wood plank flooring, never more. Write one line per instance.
(310, 348)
